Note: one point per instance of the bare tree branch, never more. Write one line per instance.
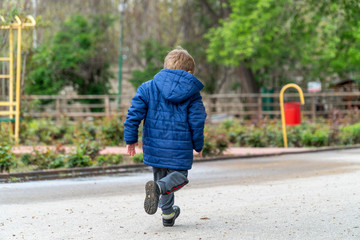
(206, 4)
(225, 12)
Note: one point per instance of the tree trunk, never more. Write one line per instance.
(248, 83)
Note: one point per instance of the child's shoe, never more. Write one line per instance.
(169, 220)
(152, 191)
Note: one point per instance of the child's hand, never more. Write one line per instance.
(131, 149)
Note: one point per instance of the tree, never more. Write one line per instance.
(189, 20)
(280, 40)
(76, 57)
(154, 54)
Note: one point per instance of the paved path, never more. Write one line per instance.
(301, 196)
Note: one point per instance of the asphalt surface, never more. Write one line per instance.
(299, 196)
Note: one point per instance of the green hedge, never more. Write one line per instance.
(269, 134)
(90, 137)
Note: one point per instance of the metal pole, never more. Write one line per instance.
(282, 107)
(11, 77)
(34, 2)
(120, 57)
(18, 83)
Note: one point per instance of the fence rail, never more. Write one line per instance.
(218, 106)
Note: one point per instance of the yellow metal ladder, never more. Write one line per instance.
(17, 25)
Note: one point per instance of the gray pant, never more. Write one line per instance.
(169, 181)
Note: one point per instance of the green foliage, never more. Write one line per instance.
(256, 138)
(6, 158)
(43, 131)
(58, 161)
(85, 153)
(48, 159)
(85, 131)
(79, 159)
(5, 137)
(215, 142)
(90, 148)
(109, 159)
(107, 131)
(221, 143)
(317, 138)
(138, 158)
(26, 159)
(276, 38)
(236, 132)
(350, 134)
(154, 54)
(9, 16)
(269, 134)
(209, 148)
(112, 131)
(75, 56)
(273, 135)
(294, 135)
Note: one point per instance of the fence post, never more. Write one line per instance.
(107, 105)
(259, 101)
(313, 108)
(58, 111)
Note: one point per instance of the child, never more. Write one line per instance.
(174, 118)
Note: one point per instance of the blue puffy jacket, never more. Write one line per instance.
(174, 118)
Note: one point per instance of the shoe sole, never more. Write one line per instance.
(152, 198)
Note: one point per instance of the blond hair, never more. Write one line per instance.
(179, 58)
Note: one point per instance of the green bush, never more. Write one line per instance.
(73, 51)
(227, 125)
(26, 159)
(317, 138)
(350, 134)
(90, 148)
(44, 160)
(57, 162)
(273, 135)
(79, 159)
(108, 131)
(5, 137)
(294, 135)
(7, 159)
(112, 131)
(215, 142)
(85, 131)
(86, 151)
(221, 143)
(237, 135)
(43, 131)
(208, 149)
(40, 131)
(256, 138)
(138, 158)
(103, 160)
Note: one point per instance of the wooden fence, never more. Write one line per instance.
(218, 106)
(258, 106)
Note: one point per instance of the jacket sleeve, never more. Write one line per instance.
(196, 118)
(136, 114)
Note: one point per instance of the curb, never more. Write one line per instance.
(133, 168)
(314, 150)
(52, 174)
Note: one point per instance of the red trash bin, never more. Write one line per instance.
(292, 113)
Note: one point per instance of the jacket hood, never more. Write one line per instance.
(177, 85)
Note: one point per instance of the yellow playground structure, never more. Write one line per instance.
(12, 101)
